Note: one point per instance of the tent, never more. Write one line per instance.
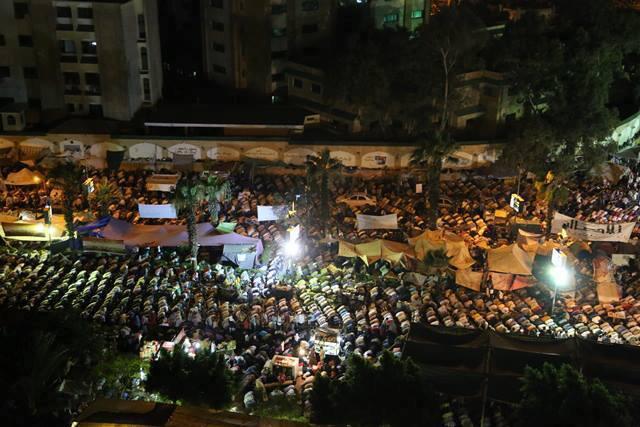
(172, 235)
(453, 244)
(24, 177)
(528, 241)
(33, 147)
(370, 252)
(510, 259)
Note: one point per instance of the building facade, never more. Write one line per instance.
(246, 43)
(99, 58)
(409, 14)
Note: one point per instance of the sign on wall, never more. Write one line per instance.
(377, 160)
(298, 156)
(186, 150)
(615, 232)
(145, 150)
(346, 158)
(262, 153)
(223, 154)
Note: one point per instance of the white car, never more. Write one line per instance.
(357, 200)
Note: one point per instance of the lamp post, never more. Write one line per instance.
(561, 277)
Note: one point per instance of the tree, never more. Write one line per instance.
(69, 177)
(189, 195)
(216, 190)
(204, 380)
(103, 194)
(562, 396)
(321, 172)
(436, 262)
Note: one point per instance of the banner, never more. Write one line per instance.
(157, 211)
(94, 244)
(272, 213)
(373, 222)
(617, 232)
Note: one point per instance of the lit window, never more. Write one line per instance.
(417, 14)
(391, 18)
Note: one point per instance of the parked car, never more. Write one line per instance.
(357, 200)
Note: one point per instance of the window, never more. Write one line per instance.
(3, 41)
(95, 110)
(310, 5)
(83, 27)
(278, 9)
(297, 83)
(218, 47)
(142, 29)
(63, 12)
(20, 10)
(71, 108)
(391, 18)
(25, 41)
(144, 59)
(316, 88)
(278, 77)
(11, 120)
(67, 47)
(5, 72)
(30, 72)
(280, 54)
(217, 3)
(35, 103)
(309, 28)
(279, 32)
(85, 13)
(89, 47)
(71, 78)
(219, 69)
(417, 14)
(146, 89)
(92, 81)
(217, 26)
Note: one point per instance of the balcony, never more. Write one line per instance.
(68, 58)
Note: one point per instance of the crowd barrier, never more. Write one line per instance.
(463, 362)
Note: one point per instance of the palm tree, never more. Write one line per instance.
(216, 190)
(321, 171)
(430, 155)
(436, 262)
(69, 177)
(103, 194)
(189, 194)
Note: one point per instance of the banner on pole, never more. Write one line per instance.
(615, 232)
(374, 222)
(272, 213)
(157, 211)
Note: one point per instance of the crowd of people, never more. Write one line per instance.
(154, 294)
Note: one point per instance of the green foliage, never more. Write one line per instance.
(189, 195)
(103, 195)
(118, 372)
(281, 408)
(562, 396)
(215, 190)
(204, 380)
(69, 177)
(389, 393)
(436, 261)
(322, 171)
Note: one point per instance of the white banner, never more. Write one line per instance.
(272, 213)
(617, 232)
(373, 222)
(157, 211)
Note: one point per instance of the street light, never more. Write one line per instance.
(291, 248)
(561, 277)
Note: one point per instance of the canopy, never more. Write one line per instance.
(453, 244)
(510, 259)
(172, 235)
(370, 252)
(6, 144)
(610, 171)
(24, 177)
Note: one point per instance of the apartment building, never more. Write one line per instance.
(409, 14)
(246, 43)
(79, 57)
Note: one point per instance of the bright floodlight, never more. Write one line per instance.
(561, 276)
(291, 248)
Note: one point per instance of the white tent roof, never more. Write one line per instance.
(6, 143)
(510, 259)
(24, 177)
(36, 142)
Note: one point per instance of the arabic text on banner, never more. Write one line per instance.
(272, 213)
(373, 222)
(157, 211)
(615, 232)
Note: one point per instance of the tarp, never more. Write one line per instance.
(510, 259)
(455, 247)
(157, 211)
(370, 252)
(528, 241)
(501, 281)
(162, 182)
(469, 279)
(272, 213)
(608, 292)
(582, 230)
(24, 177)
(609, 171)
(377, 222)
(172, 235)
